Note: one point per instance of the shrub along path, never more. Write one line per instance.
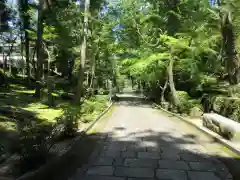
(144, 143)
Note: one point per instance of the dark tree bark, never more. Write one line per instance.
(79, 89)
(229, 47)
(39, 49)
(24, 8)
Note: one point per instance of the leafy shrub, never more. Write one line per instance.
(89, 109)
(2, 78)
(228, 107)
(67, 124)
(92, 107)
(208, 80)
(32, 145)
(234, 90)
(186, 102)
(102, 91)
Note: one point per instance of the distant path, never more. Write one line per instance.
(146, 144)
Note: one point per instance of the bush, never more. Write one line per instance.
(227, 106)
(89, 109)
(186, 103)
(208, 80)
(32, 145)
(2, 78)
(92, 107)
(102, 91)
(234, 90)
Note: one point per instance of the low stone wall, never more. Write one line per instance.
(223, 126)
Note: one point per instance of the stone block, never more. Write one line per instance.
(171, 174)
(150, 163)
(202, 176)
(101, 170)
(178, 165)
(103, 178)
(149, 155)
(128, 154)
(134, 172)
(202, 166)
(223, 126)
(104, 161)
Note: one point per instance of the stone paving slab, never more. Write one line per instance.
(101, 170)
(104, 161)
(143, 145)
(149, 155)
(178, 165)
(202, 176)
(118, 161)
(110, 153)
(191, 157)
(202, 166)
(134, 172)
(149, 163)
(154, 149)
(165, 174)
(128, 154)
(169, 156)
(103, 178)
(141, 179)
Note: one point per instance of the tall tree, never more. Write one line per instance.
(4, 15)
(24, 12)
(39, 49)
(79, 89)
(229, 40)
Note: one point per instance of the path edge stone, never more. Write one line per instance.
(212, 134)
(30, 175)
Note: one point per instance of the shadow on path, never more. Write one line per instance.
(144, 154)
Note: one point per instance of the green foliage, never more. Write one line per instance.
(74, 115)
(2, 78)
(32, 145)
(227, 106)
(206, 80)
(186, 103)
(92, 107)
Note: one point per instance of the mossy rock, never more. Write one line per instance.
(234, 90)
(228, 107)
(196, 112)
(186, 103)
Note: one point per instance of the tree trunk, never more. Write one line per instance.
(92, 74)
(163, 91)
(229, 46)
(4, 63)
(175, 99)
(33, 62)
(7, 56)
(79, 89)
(39, 50)
(27, 56)
(24, 7)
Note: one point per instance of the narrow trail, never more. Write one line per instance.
(145, 144)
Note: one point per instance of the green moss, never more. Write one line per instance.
(7, 124)
(227, 106)
(186, 102)
(230, 152)
(44, 112)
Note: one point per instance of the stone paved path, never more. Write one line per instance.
(144, 144)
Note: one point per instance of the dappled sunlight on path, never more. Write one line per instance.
(146, 144)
